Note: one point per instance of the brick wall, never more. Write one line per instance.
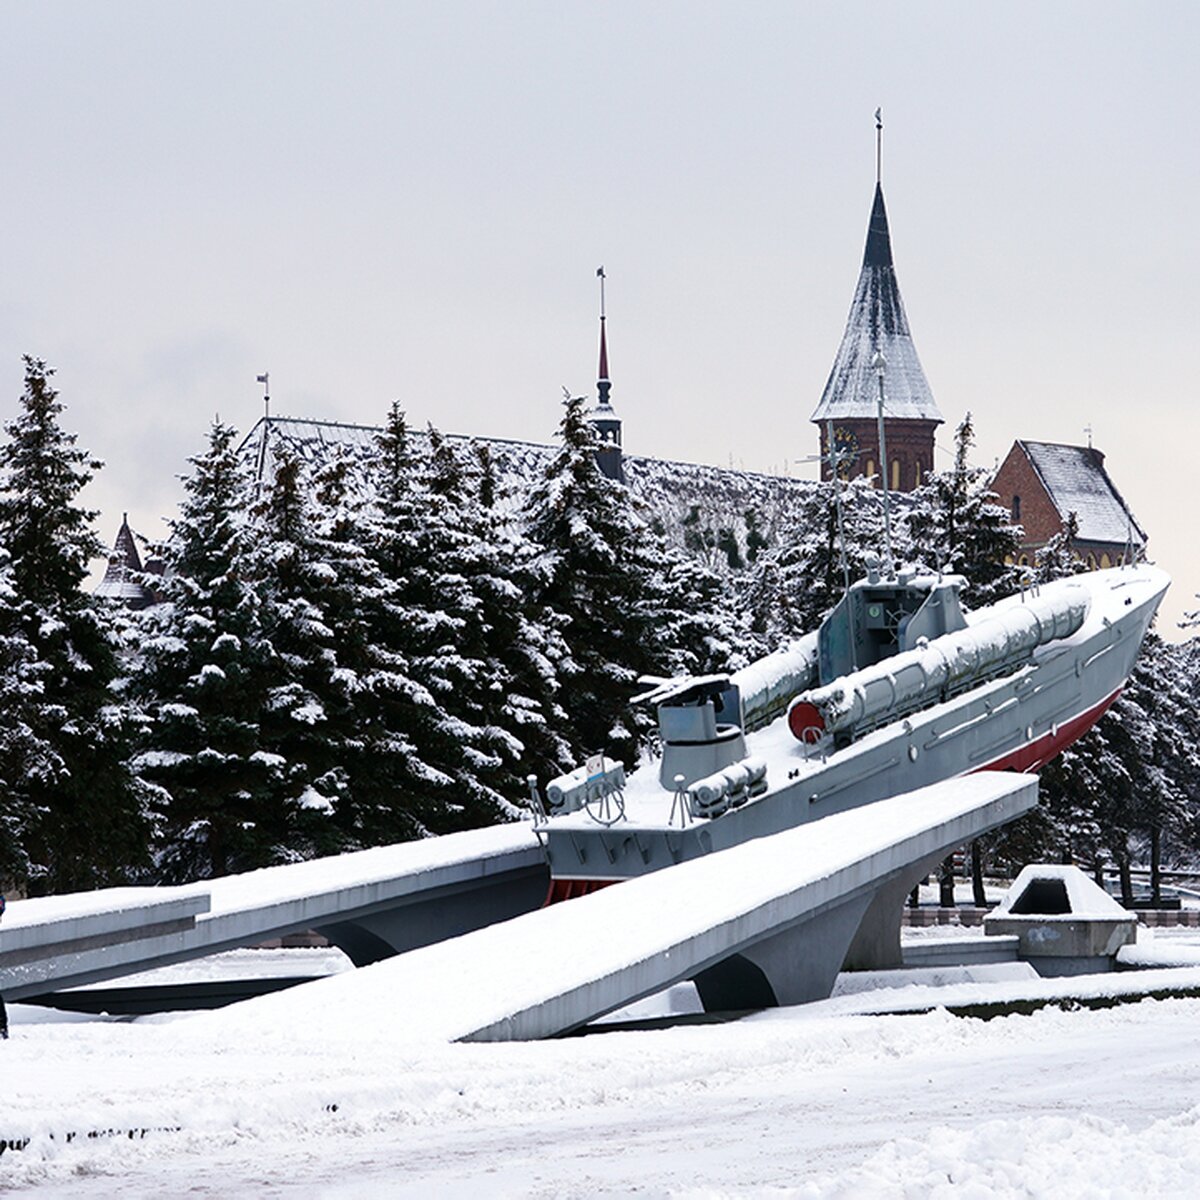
(909, 443)
(1039, 517)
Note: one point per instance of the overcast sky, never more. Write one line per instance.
(379, 201)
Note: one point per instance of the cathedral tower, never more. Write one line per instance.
(877, 324)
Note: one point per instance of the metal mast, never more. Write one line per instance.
(880, 365)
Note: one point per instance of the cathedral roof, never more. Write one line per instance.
(670, 490)
(1076, 481)
(877, 321)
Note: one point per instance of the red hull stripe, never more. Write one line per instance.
(568, 889)
(1032, 756)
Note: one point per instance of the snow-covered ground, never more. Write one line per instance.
(813, 1101)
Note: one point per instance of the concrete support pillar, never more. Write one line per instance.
(437, 914)
(876, 943)
(800, 963)
(794, 966)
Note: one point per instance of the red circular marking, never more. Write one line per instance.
(805, 722)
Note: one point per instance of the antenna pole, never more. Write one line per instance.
(600, 273)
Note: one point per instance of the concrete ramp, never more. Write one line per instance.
(770, 921)
(372, 903)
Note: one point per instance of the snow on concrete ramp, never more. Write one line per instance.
(560, 967)
(67, 941)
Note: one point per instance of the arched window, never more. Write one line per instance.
(870, 468)
(1105, 561)
(1016, 508)
(1023, 561)
(1091, 562)
(895, 474)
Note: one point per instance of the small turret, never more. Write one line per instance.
(121, 577)
(604, 420)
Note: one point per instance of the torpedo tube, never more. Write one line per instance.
(937, 668)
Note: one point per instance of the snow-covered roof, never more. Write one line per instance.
(124, 566)
(877, 321)
(716, 497)
(1076, 482)
(313, 442)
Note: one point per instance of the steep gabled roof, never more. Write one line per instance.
(1076, 482)
(877, 321)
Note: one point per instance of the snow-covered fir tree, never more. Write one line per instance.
(205, 674)
(305, 572)
(518, 642)
(956, 524)
(426, 769)
(1160, 711)
(457, 584)
(792, 586)
(1058, 558)
(702, 630)
(23, 753)
(85, 820)
(596, 571)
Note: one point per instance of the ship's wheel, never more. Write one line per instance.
(605, 807)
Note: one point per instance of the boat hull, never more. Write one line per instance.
(1017, 722)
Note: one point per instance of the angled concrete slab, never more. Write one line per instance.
(790, 905)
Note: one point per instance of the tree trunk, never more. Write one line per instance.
(914, 897)
(979, 895)
(1122, 857)
(946, 882)
(1098, 869)
(1156, 866)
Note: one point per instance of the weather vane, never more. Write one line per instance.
(878, 145)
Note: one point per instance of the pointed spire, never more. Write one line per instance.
(603, 385)
(120, 580)
(606, 422)
(877, 324)
(878, 252)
